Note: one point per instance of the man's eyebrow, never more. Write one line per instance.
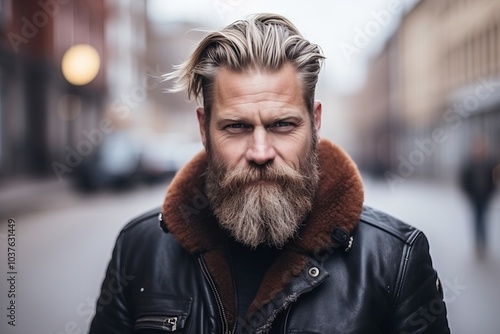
(272, 118)
(231, 117)
(293, 117)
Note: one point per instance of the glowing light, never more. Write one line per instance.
(80, 64)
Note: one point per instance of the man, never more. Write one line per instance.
(266, 232)
(477, 182)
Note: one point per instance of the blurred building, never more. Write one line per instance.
(433, 88)
(48, 123)
(369, 111)
(169, 44)
(40, 112)
(125, 34)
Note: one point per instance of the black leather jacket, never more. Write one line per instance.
(375, 277)
(386, 285)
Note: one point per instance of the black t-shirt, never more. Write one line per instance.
(249, 267)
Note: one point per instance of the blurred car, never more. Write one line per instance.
(164, 154)
(115, 163)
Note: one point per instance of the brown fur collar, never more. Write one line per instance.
(338, 204)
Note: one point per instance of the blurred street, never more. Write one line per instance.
(87, 130)
(62, 252)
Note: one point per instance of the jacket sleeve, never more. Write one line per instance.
(112, 309)
(419, 306)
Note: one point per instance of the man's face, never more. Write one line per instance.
(262, 173)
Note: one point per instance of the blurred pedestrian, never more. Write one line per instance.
(477, 181)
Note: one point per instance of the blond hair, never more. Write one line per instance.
(260, 42)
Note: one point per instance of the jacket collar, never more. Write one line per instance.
(337, 205)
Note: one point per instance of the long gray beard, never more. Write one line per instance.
(268, 212)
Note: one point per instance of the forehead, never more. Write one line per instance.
(254, 89)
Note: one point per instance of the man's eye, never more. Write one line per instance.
(282, 126)
(236, 127)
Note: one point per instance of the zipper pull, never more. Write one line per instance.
(349, 246)
(172, 321)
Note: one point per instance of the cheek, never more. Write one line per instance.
(228, 152)
(295, 146)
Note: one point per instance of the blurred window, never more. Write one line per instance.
(5, 14)
(2, 141)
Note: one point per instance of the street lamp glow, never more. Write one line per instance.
(80, 64)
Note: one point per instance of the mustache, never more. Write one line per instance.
(243, 176)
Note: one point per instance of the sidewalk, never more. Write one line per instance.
(22, 195)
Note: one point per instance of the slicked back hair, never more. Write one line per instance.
(263, 42)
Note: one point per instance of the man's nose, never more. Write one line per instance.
(260, 149)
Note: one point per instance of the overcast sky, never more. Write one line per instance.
(347, 31)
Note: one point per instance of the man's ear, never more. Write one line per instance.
(317, 110)
(200, 113)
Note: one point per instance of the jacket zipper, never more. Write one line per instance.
(165, 322)
(285, 322)
(225, 325)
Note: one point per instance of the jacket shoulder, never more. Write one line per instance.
(142, 242)
(388, 224)
(147, 218)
